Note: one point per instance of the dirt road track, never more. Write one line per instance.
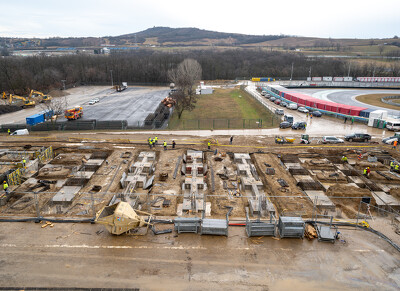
(73, 255)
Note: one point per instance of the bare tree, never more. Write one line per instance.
(57, 104)
(381, 48)
(185, 77)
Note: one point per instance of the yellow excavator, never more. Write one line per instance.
(45, 98)
(4, 96)
(26, 101)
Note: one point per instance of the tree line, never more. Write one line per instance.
(20, 74)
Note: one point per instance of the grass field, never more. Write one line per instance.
(375, 99)
(233, 104)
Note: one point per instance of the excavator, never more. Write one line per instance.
(45, 98)
(4, 96)
(27, 102)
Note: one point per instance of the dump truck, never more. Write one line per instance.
(120, 218)
(74, 113)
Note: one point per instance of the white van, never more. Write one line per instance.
(393, 125)
(279, 111)
(292, 106)
(20, 132)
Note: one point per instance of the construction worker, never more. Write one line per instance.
(391, 165)
(365, 172)
(395, 144)
(344, 160)
(150, 143)
(8, 131)
(360, 156)
(209, 145)
(173, 144)
(368, 171)
(5, 187)
(165, 145)
(352, 120)
(231, 139)
(155, 140)
(311, 115)
(396, 168)
(23, 163)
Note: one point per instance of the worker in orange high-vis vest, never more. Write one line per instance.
(395, 144)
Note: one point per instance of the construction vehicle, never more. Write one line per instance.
(305, 139)
(26, 101)
(120, 218)
(4, 96)
(282, 140)
(74, 113)
(45, 98)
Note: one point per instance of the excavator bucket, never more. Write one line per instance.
(120, 218)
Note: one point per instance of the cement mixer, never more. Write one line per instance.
(120, 218)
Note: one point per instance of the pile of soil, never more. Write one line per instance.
(330, 177)
(58, 93)
(349, 206)
(9, 108)
(395, 192)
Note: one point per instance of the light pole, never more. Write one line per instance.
(112, 82)
(348, 73)
(309, 73)
(291, 74)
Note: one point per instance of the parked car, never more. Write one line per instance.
(283, 104)
(299, 125)
(316, 113)
(288, 118)
(292, 106)
(302, 109)
(277, 101)
(279, 111)
(272, 99)
(285, 124)
(331, 139)
(358, 137)
(94, 101)
(391, 139)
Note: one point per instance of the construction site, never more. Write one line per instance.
(258, 193)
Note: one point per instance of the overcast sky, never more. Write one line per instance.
(336, 18)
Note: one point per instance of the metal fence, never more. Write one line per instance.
(230, 123)
(388, 99)
(68, 125)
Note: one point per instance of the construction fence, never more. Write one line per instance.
(230, 123)
(69, 125)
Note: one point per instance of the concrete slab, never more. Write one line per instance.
(383, 199)
(340, 166)
(96, 162)
(83, 174)
(292, 165)
(355, 179)
(66, 195)
(322, 201)
(303, 178)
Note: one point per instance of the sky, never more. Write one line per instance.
(336, 18)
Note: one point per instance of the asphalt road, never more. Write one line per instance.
(133, 105)
(348, 96)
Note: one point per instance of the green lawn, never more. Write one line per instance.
(234, 105)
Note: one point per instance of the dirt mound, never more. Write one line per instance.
(349, 206)
(58, 93)
(9, 108)
(395, 192)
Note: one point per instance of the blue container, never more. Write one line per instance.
(35, 119)
(365, 113)
(47, 114)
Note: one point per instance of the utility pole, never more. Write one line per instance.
(348, 73)
(373, 72)
(309, 73)
(112, 82)
(291, 74)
